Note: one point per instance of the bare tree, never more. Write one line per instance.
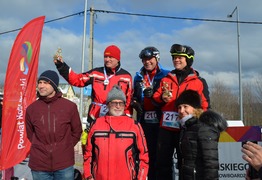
(252, 93)
(258, 88)
(224, 101)
(251, 114)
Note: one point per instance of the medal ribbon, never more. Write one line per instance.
(106, 77)
(149, 80)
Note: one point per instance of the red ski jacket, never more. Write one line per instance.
(169, 112)
(116, 149)
(96, 78)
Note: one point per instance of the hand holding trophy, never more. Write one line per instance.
(167, 92)
(58, 56)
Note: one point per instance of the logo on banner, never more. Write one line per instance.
(27, 55)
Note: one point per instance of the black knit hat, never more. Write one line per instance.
(115, 93)
(189, 97)
(51, 77)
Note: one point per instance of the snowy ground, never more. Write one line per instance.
(23, 171)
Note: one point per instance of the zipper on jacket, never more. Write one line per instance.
(49, 129)
(177, 91)
(105, 87)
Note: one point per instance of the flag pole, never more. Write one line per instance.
(83, 62)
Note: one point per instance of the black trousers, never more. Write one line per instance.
(168, 141)
(151, 134)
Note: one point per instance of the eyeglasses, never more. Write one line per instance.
(121, 104)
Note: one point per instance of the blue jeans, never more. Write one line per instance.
(65, 174)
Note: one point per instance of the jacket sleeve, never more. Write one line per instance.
(129, 110)
(79, 80)
(143, 154)
(88, 155)
(136, 89)
(260, 173)
(76, 126)
(208, 144)
(205, 95)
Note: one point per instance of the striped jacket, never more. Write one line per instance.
(96, 78)
(116, 149)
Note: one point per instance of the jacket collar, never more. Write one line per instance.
(109, 71)
(48, 100)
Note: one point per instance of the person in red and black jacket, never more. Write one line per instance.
(182, 78)
(116, 146)
(102, 80)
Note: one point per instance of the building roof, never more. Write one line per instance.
(64, 88)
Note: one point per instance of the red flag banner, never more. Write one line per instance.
(20, 92)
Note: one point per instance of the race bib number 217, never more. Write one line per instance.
(170, 119)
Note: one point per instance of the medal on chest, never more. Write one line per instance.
(106, 82)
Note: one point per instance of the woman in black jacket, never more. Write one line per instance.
(199, 137)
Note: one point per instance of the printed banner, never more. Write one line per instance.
(20, 92)
(231, 164)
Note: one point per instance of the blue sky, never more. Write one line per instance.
(215, 43)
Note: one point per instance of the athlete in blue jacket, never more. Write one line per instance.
(146, 81)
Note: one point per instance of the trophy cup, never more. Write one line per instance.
(58, 54)
(166, 91)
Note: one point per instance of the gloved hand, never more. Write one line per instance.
(58, 63)
(148, 92)
(137, 106)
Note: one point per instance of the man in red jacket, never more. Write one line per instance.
(102, 80)
(53, 127)
(116, 146)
